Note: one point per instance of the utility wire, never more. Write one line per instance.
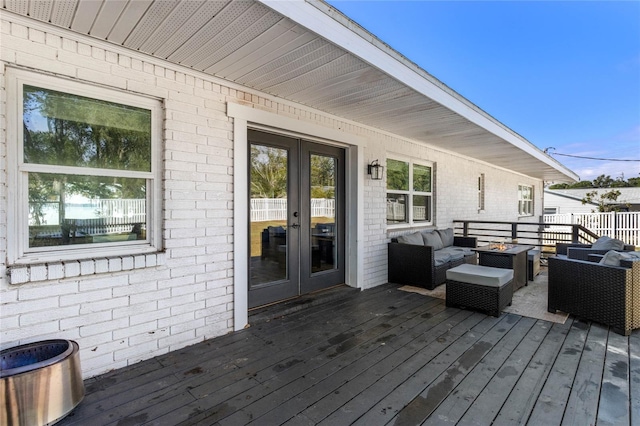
(546, 151)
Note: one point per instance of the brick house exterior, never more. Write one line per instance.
(123, 309)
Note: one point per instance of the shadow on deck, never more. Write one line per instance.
(377, 357)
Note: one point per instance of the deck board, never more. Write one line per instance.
(485, 407)
(634, 382)
(614, 397)
(582, 406)
(381, 357)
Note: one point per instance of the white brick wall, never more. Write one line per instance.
(125, 309)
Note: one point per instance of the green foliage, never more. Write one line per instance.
(268, 172)
(421, 178)
(602, 181)
(583, 184)
(634, 181)
(397, 175)
(603, 200)
(62, 129)
(559, 186)
(323, 177)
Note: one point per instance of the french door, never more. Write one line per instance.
(296, 217)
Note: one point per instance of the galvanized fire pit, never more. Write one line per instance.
(40, 383)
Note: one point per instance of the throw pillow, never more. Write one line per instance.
(607, 243)
(446, 235)
(613, 257)
(433, 239)
(415, 239)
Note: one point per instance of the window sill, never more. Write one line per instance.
(23, 274)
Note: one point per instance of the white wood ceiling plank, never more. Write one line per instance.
(355, 94)
(107, 18)
(40, 9)
(150, 22)
(310, 56)
(180, 25)
(233, 39)
(254, 50)
(208, 37)
(128, 19)
(85, 15)
(264, 57)
(408, 112)
(17, 6)
(62, 12)
(314, 75)
(337, 83)
(376, 108)
(273, 67)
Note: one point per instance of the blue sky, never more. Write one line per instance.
(563, 74)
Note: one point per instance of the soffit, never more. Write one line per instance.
(251, 44)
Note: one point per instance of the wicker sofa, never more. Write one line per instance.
(582, 251)
(423, 258)
(593, 291)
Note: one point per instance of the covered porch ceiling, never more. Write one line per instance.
(305, 52)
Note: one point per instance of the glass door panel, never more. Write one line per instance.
(273, 224)
(268, 214)
(322, 262)
(323, 212)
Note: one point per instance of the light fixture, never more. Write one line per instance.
(375, 170)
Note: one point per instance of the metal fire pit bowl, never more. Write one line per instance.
(40, 383)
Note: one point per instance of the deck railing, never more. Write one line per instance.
(539, 234)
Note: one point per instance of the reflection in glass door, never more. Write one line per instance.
(322, 205)
(323, 212)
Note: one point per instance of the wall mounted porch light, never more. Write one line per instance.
(375, 170)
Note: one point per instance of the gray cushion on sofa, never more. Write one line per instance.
(446, 235)
(415, 239)
(440, 257)
(458, 252)
(432, 239)
(607, 243)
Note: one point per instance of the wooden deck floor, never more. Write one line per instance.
(378, 357)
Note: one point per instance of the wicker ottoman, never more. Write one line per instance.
(481, 288)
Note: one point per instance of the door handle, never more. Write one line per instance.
(295, 225)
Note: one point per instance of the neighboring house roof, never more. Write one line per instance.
(627, 195)
(309, 53)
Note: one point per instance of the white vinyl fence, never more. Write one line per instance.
(266, 209)
(91, 217)
(396, 212)
(624, 226)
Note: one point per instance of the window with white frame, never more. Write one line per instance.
(481, 192)
(409, 192)
(525, 200)
(85, 164)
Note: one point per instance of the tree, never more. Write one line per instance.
(603, 181)
(323, 177)
(604, 200)
(62, 129)
(634, 181)
(268, 172)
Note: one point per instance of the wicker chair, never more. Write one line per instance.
(606, 294)
(582, 251)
